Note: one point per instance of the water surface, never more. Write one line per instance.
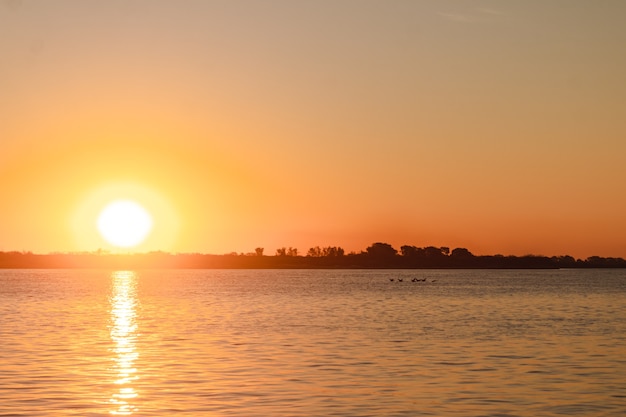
(313, 343)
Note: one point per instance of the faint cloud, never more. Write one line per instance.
(12, 5)
(480, 14)
(493, 12)
(457, 17)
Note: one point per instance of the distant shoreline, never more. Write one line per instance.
(371, 259)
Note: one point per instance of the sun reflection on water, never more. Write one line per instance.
(124, 336)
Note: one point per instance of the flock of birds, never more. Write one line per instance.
(412, 280)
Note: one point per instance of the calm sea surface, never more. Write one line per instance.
(313, 343)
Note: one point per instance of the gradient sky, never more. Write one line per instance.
(499, 126)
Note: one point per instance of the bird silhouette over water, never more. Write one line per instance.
(400, 279)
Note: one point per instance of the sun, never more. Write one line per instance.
(124, 223)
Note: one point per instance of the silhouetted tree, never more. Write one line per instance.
(315, 252)
(563, 261)
(281, 251)
(381, 251)
(329, 251)
(435, 252)
(292, 251)
(259, 251)
(332, 251)
(409, 251)
(461, 253)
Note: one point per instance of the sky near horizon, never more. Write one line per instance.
(498, 126)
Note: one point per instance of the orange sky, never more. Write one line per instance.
(495, 126)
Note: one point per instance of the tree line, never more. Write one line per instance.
(377, 255)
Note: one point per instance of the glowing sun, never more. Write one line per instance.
(124, 223)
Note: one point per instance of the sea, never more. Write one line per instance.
(313, 343)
